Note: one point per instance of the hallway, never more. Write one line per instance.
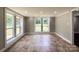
(42, 43)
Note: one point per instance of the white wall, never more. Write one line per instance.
(64, 25)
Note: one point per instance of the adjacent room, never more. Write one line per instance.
(39, 29)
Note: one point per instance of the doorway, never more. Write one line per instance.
(75, 24)
(76, 31)
(42, 24)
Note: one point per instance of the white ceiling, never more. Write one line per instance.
(41, 11)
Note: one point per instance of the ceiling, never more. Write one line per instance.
(41, 11)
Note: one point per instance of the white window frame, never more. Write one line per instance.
(8, 41)
(6, 26)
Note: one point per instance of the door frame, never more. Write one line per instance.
(41, 19)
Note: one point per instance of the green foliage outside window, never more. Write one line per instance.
(45, 22)
(9, 21)
(38, 21)
(17, 22)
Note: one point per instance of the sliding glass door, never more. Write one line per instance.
(45, 25)
(9, 26)
(38, 25)
(42, 24)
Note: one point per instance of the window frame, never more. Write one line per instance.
(42, 19)
(19, 25)
(7, 28)
(14, 26)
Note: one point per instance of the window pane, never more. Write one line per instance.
(45, 20)
(9, 26)
(42, 24)
(38, 25)
(38, 21)
(18, 25)
(45, 25)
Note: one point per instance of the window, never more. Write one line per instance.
(9, 26)
(38, 21)
(18, 25)
(13, 25)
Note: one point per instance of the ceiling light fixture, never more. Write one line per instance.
(55, 12)
(41, 12)
(26, 12)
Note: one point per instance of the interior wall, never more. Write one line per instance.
(29, 24)
(52, 24)
(2, 28)
(64, 26)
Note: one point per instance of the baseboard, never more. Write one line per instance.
(63, 38)
(2, 50)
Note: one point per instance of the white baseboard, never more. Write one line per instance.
(63, 38)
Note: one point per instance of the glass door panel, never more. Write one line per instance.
(45, 25)
(38, 25)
